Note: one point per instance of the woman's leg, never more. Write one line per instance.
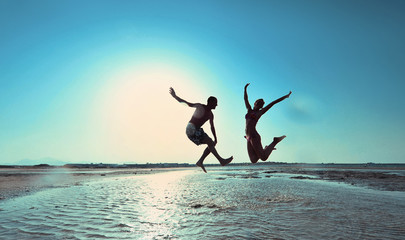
(252, 153)
(261, 153)
(271, 147)
(256, 144)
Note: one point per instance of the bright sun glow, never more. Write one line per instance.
(134, 119)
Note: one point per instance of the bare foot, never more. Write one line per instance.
(226, 161)
(201, 166)
(278, 139)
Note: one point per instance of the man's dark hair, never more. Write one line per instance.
(210, 99)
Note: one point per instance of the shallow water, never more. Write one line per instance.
(223, 204)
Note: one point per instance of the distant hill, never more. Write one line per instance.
(47, 160)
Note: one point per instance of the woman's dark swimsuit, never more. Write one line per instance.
(251, 115)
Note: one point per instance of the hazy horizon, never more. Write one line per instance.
(57, 163)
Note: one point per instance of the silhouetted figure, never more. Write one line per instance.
(254, 143)
(196, 134)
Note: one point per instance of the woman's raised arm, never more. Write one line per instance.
(247, 104)
(266, 108)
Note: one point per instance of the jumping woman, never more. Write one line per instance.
(254, 142)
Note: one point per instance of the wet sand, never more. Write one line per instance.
(374, 177)
(283, 202)
(379, 178)
(19, 181)
(376, 180)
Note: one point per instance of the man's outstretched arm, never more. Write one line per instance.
(180, 100)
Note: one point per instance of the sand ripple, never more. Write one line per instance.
(193, 205)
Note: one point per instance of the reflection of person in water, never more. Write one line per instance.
(254, 143)
(196, 134)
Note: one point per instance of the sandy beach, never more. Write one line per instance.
(18, 181)
(375, 178)
(285, 201)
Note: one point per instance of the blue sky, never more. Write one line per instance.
(87, 81)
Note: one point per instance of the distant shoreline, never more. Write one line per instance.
(183, 165)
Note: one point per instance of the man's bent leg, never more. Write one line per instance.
(211, 146)
(202, 158)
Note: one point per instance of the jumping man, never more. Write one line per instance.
(196, 134)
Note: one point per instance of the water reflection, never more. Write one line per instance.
(158, 213)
